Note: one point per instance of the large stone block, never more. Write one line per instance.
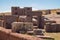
(21, 11)
(51, 27)
(38, 32)
(25, 18)
(57, 27)
(1, 23)
(22, 26)
(9, 19)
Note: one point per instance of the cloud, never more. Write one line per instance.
(34, 9)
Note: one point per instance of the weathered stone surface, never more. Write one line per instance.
(9, 19)
(51, 27)
(22, 26)
(6, 34)
(27, 11)
(1, 23)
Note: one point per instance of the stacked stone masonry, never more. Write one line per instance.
(6, 34)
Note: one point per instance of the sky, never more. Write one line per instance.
(5, 5)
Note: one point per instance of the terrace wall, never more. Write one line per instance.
(6, 34)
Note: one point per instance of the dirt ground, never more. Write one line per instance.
(56, 36)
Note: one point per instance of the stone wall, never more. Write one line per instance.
(52, 27)
(6, 34)
(9, 19)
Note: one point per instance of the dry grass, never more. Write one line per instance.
(56, 36)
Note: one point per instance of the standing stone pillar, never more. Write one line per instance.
(40, 22)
